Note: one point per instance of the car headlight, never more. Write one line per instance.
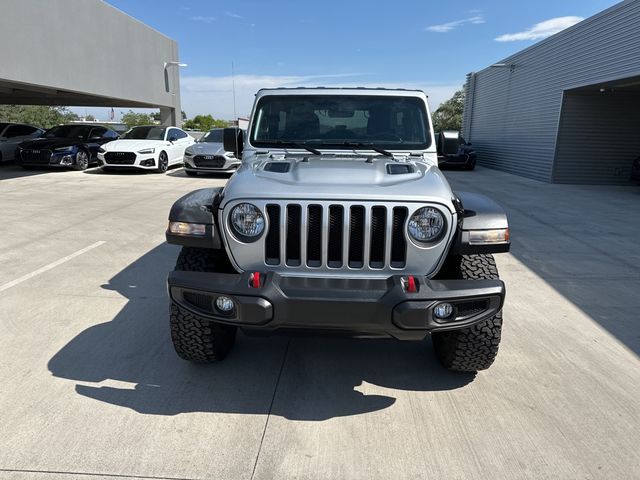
(426, 225)
(64, 149)
(247, 222)
(147, 150)
(188, 154)
(102, 150)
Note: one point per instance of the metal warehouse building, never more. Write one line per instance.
(567, 109)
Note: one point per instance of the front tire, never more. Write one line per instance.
(196, 338)
(82, 160)
(473, 348)
(163, 162)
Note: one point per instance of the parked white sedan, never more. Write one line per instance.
(149, 147)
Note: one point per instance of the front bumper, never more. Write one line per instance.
(230, 165)
(362, 307)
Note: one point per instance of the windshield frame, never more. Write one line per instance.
(328, 143)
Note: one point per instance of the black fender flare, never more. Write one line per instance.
(201, 207)
(479, 212)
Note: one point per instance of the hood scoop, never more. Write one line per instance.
(277, 167)
(399, 168)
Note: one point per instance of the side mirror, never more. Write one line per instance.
(233, 141)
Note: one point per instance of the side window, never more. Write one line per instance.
(98, 132)
(19, 131)
(180, 133)
(172, 132)
(110, 134)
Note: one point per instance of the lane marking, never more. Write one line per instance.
(46, 268)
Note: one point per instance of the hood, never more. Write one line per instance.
(206, 148)
(50, 143)
(133, 145)
(321, 178)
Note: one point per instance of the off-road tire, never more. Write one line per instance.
(473, 348)
(196, 338)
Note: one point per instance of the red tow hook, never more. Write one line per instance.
(254, 281)
(410, 286)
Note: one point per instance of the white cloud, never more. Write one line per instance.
(447, 27)
(203, 19)
(214, 95)
(541, 30)
(232, 15)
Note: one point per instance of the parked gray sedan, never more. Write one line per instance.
(209, 156)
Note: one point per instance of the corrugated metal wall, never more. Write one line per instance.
(515, 111)
(598, 138)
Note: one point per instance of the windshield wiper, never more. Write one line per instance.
(302, 145)
(361, 145)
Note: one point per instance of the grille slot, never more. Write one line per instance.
(294, 219)
(356, 237)
(469, 309)
(199, 300)
(314, 236)
(378, 227)
(398, 242)
(359, 237)
(272, 244)
(336, 223)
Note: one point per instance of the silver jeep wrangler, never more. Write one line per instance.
(338, 220)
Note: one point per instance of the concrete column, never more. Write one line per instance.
(168, 117)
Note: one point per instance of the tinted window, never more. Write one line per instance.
(212, 136)
(98, 132)
(69, 131)
(19, 131)
(145, 133)
(179, 133)
(328, 120)
(110, 134)
(2, 127)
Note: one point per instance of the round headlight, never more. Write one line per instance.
(247, 221)
(426, 224)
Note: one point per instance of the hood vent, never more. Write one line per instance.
(399, 168)
(277, 167)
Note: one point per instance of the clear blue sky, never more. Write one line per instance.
(425, 44)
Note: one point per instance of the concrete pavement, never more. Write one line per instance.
(90, 386)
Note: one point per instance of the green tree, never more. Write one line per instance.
(37, 115)
(448, 116)
(133, 119)
(156, 116)
(90, 118)
(204, 123)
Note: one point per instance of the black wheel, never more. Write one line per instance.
(472, 348)
(191, 173)
(82, 160)
(195, 338)
(163, 162)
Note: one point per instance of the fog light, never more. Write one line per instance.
(443, 311)
(66, 160)
(224, 304)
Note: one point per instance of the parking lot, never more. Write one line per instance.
(91, 386)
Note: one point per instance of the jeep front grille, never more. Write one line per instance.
(335, 236)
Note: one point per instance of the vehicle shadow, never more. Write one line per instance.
(181, 173)
(582, 240)
(11, 170)
(305, 378)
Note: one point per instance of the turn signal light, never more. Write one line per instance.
(482, 237)
(184, 228)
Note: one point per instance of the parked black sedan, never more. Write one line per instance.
(454, 151)
(72, 146)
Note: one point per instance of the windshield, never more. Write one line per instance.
(69, 131)
(387, 122)
(144, 133)
(212, 136)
